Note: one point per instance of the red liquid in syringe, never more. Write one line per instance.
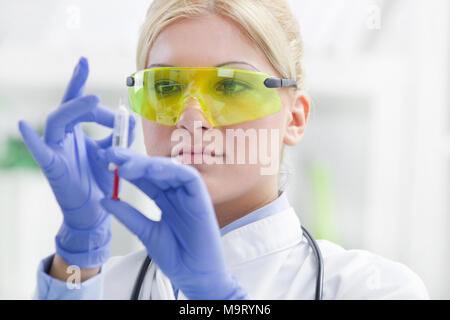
(115, 195)
(119, 139)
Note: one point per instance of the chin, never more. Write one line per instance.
(217, 185)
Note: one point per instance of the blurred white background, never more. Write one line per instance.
(372, 172)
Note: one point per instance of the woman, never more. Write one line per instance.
(226, 230)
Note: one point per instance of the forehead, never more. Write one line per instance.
(206, 41)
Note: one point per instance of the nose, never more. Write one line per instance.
(192, 116)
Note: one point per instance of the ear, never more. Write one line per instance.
(297, 118)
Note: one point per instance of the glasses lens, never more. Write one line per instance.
(241, 96)
(227, 96)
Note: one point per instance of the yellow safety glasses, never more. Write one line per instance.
(226, 96)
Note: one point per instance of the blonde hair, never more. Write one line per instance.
(269, 23)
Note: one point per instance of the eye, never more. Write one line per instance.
(166, 88)
(230, 87)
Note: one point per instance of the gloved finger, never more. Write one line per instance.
(99, 114)
(192, 181)
(164, 172)
(131, 218)
(148, 188)
(168, 169)
(77, 82)
(152, 166)
(131, 131)
(155, 167)
(157, 236)
(107, 142)
(132, 169)
(117, 155)
(57, 121)
(135, 172)
(35, 144)
(176, 174)
(163, 181)
(182, 218)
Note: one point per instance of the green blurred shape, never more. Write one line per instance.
(324, 226)
(16, 154)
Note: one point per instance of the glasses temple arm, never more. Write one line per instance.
(130, 81)
(279, 83)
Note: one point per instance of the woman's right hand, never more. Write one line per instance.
(77, 176)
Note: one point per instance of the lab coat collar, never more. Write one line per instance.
(262, 237)
(279, 204)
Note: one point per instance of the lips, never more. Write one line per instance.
(198, 149)
(197, 152)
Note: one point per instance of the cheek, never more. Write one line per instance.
(156, 138)
(230, 180)
(270, 128)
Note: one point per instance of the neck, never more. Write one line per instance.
(257, 197)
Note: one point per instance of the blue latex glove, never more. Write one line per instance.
(78, 178)
(186, 242)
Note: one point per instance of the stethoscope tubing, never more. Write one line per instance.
(312, 243)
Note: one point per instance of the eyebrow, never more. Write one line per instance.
(219, 65)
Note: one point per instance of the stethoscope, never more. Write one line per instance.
(312, 243)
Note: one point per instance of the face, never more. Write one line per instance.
(213, 41)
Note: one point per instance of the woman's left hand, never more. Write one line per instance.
(186, 242)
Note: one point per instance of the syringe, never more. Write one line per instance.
(119, 139)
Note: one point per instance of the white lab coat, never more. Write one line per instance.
(273, 260)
